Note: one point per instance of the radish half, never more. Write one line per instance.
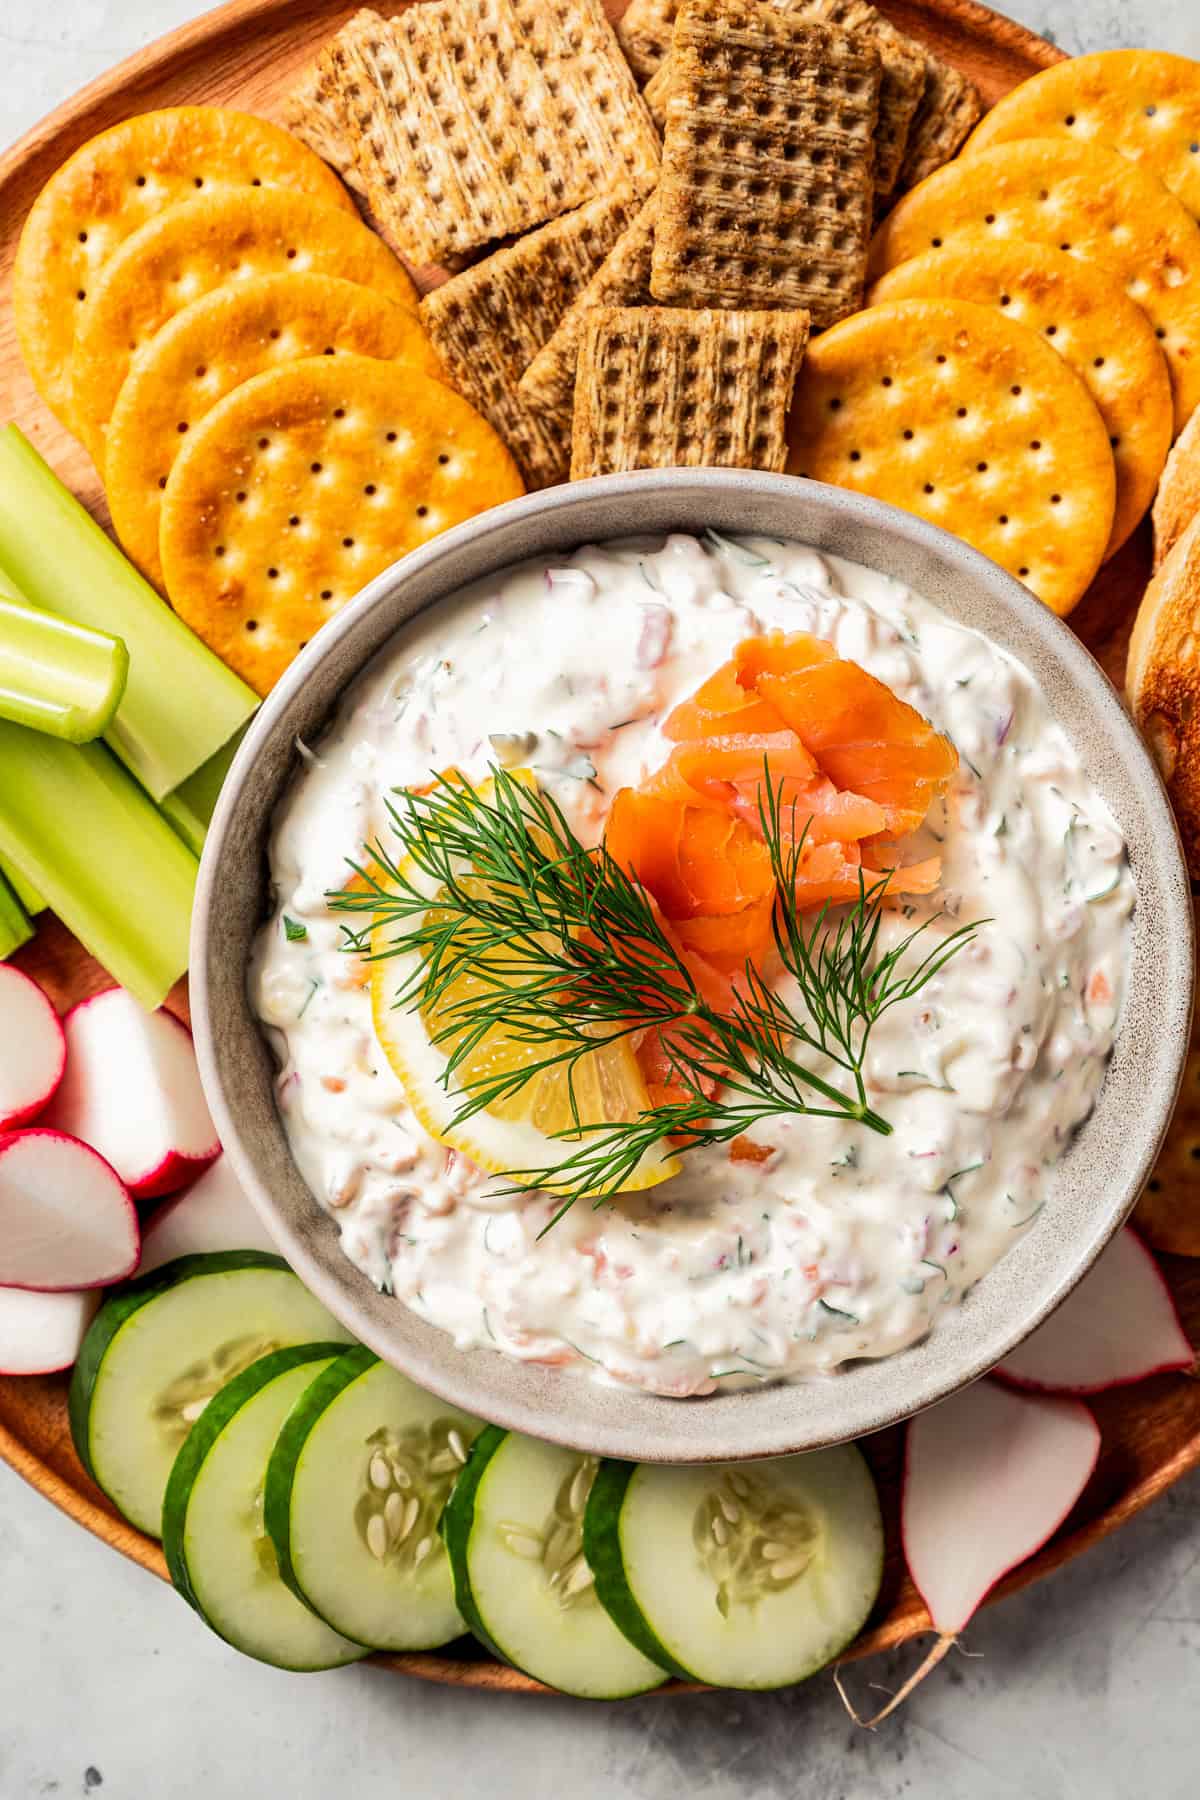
(42, 1333)
(33, 1050)
(989, 1476)
(132, 1091)
(66, 1218)
(1118, 1326)
(214, 1214)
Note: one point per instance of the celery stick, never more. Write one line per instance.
(15, 928)
(190, 807)
(181, 705)
(83, 832)
(25, 891)
(55, 676)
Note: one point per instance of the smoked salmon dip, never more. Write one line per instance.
(808, 1242)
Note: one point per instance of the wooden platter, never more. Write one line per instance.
(247, 54)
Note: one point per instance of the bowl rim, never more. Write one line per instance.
(625, 1422)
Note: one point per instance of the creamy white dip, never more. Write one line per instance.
(845, 1244)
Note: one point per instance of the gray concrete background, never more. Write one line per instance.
(1086, 1688)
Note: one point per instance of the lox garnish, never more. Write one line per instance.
(715, 962)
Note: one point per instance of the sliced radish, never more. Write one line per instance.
(1119, 1325)
(989, 1476)
(41, 1333)
(213, 1215)
(132, 1090)
(33, 1050)
(66, 1218)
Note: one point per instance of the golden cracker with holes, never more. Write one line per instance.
(212, 347)
(193, 248)
(1178, 499)
(115, 183)
(470, 120)
(622, 279)
(1144, 103)
(1162, 681)
(1079, 198)
(488, 323)
(766, 193)
(1085, 313)
(971, 421)
(665, 388)
(305, 483)
(949, 110)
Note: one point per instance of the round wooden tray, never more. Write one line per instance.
(247, 54)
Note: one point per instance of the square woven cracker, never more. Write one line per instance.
(623, 279)
(666, 388)
(644, 32)
(901, 80)
(488, 323)
(471, 120)
(314, 111)
(950, 109)
(767, 187)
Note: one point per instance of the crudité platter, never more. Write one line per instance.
(247, 55)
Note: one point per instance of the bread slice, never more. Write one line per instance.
(1163, 681)
(1178, 499)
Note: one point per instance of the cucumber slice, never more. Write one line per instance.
(355, 1488)
(161, 1347)
(218, 1552)
(513, 1527)
(747, 1577)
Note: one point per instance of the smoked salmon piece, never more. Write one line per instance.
(694, 860)
(721, 707)
(728, 943)
(812, 809)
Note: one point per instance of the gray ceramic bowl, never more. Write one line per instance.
(1096, 1183)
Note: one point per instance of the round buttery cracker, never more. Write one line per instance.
(302, 485)
(1079, 198)
(190, 249)
(212, 347)
(1085, 314)
(1144, 103)
(970, 420)
(113, 185)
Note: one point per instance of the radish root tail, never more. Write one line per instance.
(943, 1645)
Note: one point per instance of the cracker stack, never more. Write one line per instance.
(767, 187)
(489, 322)
(661, 388)
(470, 120)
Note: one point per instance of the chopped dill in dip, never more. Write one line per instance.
(830, 1242)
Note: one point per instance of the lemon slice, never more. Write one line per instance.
(517, 1132)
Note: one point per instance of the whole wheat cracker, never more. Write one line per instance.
(949, 111)
(470, 120)
(488, 323)
(903, 65)
(623, 279)
(644, 33)
(1178, 499)
(664, 387)
(766, 193)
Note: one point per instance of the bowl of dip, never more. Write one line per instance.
(742, 1308)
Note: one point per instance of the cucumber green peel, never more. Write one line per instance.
(281, 1470)
(181, 704)
(120, 1307)
(204, 1434)
(55, 676)
(601, 1546)
(456, 1521)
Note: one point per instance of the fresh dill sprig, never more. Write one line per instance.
(557, 949)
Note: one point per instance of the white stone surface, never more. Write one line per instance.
(1085, 1689)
